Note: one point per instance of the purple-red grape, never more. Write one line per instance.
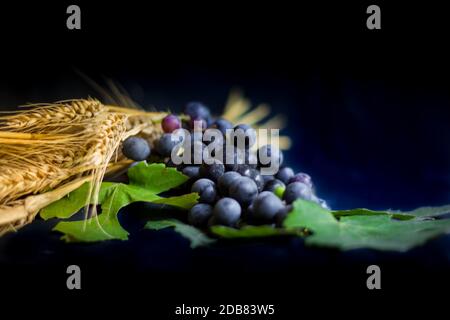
(170, 123)
(303, 178)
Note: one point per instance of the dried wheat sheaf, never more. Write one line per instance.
(48, 150)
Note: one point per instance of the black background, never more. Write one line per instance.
(368, 114)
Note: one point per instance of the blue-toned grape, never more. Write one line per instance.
(212, 171)
(197, 110)
(136, 148)
(284, 174)
(244, 190)
(247, 171)
(227, 211)
(193, 172)
(199, 214)
(266, 206)
(297, 190)
(206, 189)
(264, 194)
(166, 143)
(226, 180)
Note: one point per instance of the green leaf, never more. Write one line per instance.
(194, 235)
(307, 213)
(250, 231)
(366, 212)
(99, 228)
(67, 206)
(155, 177)
(113, 197)
(362, 231)
(428, 211)
(185, 201)
(406, 215)
(160, 224)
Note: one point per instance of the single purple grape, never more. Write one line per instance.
(170, 123)
(303, 178)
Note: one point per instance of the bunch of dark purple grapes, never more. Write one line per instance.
(230, 194)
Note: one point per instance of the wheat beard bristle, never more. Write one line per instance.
(49, 145)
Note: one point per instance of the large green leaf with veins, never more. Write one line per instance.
(351, 231)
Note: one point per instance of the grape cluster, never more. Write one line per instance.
(229, 193)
